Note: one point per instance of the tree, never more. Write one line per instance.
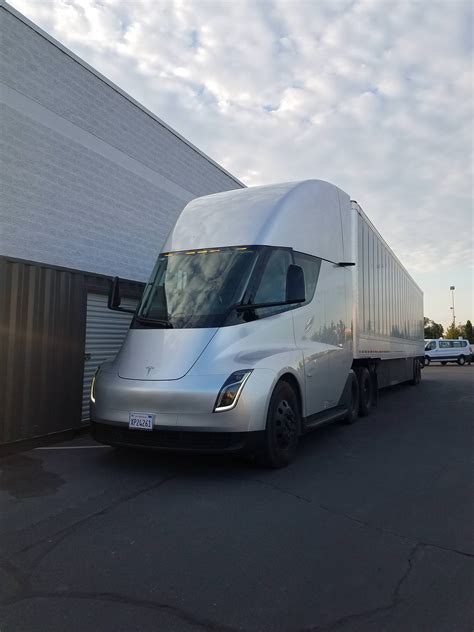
(453, 332)
(432, 329)
(468, 333)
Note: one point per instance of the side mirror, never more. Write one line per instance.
(295, 288)
(114, 299)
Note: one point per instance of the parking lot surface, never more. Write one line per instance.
(369, 530)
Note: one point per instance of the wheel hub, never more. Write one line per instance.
(285, 424)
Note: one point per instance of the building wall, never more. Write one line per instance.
(42, 326)
(91, 183)
(90, 179)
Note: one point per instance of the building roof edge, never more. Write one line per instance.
(84, 64)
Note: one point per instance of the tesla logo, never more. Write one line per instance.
(149, 369)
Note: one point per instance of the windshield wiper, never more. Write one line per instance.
(144, 320)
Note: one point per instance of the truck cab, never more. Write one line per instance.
(251, 296)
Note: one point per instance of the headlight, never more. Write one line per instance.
(230, 391)
(93, 387)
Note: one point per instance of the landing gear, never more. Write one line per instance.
(416, 379)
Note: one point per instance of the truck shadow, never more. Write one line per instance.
(323, 442)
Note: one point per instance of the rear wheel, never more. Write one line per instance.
(366, 391)
(353, 410)
(416, 379)
(283, 428)
(444, 363)
(461, 360)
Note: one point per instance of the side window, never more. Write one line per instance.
(272, 286)
(444, 344)
(431, 345)
(463, 343)
(311, 267)
(457, 344)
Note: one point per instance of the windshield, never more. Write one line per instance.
(196, 288)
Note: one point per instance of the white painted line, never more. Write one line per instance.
(75, 447)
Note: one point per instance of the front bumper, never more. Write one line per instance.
(186, 404)
(177, 440)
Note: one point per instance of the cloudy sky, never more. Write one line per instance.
(374, 96)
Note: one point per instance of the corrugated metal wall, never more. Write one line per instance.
(42, 339)
(105, 332)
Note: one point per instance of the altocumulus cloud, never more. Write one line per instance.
(373, 96)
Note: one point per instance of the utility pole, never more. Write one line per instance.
(452, 288)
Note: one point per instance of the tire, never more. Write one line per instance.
(366, 391)
(461, 360)
(416, 379)
(353, 412)
(427, 360)
(444, 363)
(283, 427)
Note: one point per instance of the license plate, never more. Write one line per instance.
(140, 421)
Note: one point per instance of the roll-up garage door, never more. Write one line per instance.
(105, 332)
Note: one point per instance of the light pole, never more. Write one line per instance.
(452, 288)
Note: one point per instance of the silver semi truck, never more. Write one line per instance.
(270, 311)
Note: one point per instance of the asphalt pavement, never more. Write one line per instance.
(371, 529)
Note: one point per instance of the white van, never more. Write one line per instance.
(447, 351)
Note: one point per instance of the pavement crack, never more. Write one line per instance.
(365, 524)
(395, 600)
(279, 489)
(362, 523)
(396, 534)
(447, 548)
(180, 613)
(62, 534)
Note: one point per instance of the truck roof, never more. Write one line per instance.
(305, 216)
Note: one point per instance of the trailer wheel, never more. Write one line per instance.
(366, 391)
(416, 379)
(283, 428)
(353, 411)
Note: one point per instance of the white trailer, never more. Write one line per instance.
(387, 307)
(270, 311)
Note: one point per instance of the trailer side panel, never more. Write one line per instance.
(389, 304)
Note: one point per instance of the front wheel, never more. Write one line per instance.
(427, 360)
(444, 363)
(461, 360)
(283, 428)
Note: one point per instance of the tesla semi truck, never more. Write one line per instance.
(271, 310)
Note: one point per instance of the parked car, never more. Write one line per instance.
(445, 351)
